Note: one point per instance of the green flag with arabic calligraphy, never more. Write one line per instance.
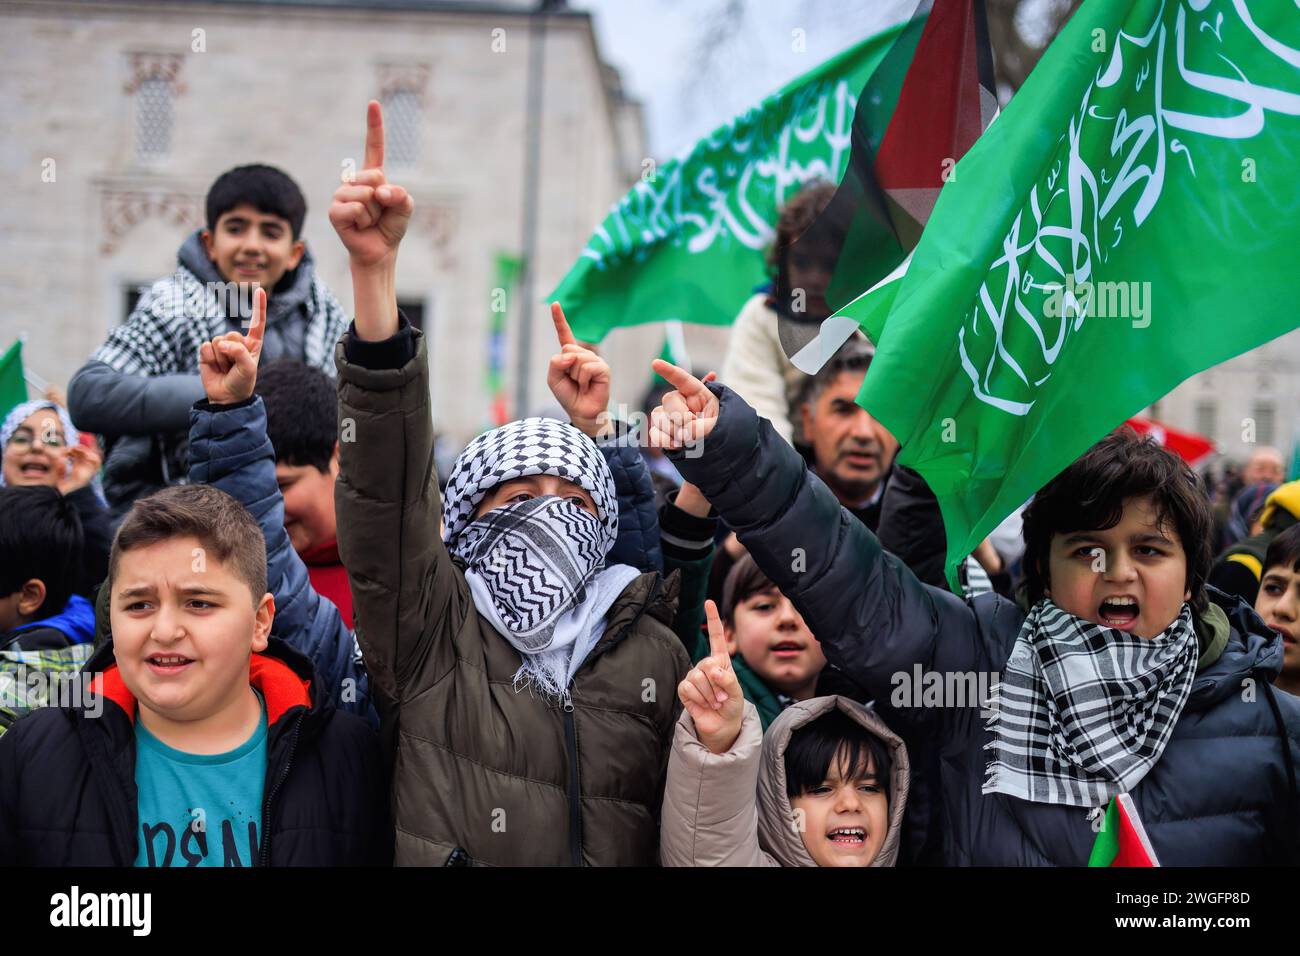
(1130, 219)
(686, 243)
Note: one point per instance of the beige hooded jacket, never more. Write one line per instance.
(731, 809)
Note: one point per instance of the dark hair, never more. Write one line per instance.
(221, 524)
(815, 746)
(301, 413)
(795, 219)
(744, 578)
(1089, 495)
(1284, 550)
(266, 188)
(853, 356)
(40, 537)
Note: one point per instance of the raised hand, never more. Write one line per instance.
(579, 379)
(85, 461)
(687, 414)
(369, 213)
(711, 693)
(228, 364)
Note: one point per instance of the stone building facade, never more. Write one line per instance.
(1243, 403)
(118, 116)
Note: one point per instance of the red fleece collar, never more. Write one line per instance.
(325, 553)
(280, 687)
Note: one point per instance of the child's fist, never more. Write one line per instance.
(579, 379)
(369, 213)
(711, 693)
(228, 364)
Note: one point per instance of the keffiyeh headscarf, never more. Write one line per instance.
(536, 568)
(1083, 712)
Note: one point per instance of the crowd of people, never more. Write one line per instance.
(258, 628)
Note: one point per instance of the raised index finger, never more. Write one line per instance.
(374, 135)
(256, 328)
(562, 325)
(717, 636)
(678, 378)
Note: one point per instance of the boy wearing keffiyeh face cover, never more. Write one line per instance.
(1125, 673)
(523, 677)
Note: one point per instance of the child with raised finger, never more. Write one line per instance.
(527, 677)
(825, 786)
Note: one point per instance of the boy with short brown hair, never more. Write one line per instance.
(211, 743)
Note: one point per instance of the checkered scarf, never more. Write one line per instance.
(536, 568)
(1083, 711)
(181, 311)
(530, 446)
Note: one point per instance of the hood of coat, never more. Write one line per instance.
(1251, 650)
(291, 294)
(776, 830)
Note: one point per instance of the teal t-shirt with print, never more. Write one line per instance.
(199, 809)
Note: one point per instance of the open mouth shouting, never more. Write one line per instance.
(168, 664)
(34, 469)
(848, 837)
(1120, 612)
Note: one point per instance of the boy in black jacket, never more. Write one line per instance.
(215, 746)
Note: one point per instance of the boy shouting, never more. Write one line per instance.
(1127, 674)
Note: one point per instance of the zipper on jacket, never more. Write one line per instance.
(575, 783)
(266, 804)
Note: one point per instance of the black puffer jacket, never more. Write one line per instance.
(67, 778)
(911, 526)
(1223, 792)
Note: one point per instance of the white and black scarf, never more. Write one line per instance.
(536, 568)
(1083, 711)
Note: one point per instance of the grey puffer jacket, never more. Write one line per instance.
(1223, 792)
(732, 809)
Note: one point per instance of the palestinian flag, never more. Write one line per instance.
(898, 108)
(1122, 840)
(921, 110)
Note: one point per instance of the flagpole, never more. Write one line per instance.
(532, 162)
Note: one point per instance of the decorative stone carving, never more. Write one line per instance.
(150, 66)
(122, 208)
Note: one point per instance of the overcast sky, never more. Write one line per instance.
(659, 46)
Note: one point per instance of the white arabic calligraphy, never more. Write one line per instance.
(1063, 254)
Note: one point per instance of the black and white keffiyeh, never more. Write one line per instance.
(530, 446)
(1083, 711)
(536, 568)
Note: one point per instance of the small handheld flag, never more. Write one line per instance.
(1123, 840)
